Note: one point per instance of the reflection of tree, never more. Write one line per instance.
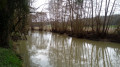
(81, 53)
(39, 41)
(64, 51)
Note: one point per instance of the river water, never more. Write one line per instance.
(46, 49)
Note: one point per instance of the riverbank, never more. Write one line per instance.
(90, 36)
(8, 57)
(112, 37)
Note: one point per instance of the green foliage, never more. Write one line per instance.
(9, 59)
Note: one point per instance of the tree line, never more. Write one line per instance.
(81, 17)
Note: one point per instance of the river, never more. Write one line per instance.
(46, 49)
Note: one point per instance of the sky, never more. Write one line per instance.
(42, 4)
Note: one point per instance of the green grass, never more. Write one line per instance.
(8, 58)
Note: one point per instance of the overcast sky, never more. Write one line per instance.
(40, 3)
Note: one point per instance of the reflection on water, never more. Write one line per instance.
(45, 49)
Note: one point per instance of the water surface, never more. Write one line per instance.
(46, 49)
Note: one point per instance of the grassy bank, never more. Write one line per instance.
(8, 57)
